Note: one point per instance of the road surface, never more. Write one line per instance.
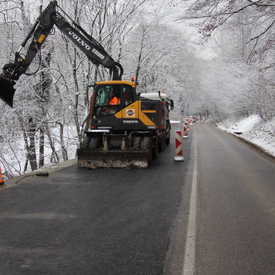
(211, 214)
(231, 220)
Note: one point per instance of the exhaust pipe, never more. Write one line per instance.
(7, 90)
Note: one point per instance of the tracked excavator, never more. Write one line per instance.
(126, 129)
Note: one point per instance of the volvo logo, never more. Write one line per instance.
(79, 40)
(130, 121)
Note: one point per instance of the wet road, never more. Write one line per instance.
(230, 194)
(103, 221)
(236, 206)
(214, 213)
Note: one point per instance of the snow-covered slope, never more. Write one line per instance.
(254, 130)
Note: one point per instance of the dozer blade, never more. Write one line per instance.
(112, 159)
(7, 90)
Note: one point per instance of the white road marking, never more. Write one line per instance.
(189, 255)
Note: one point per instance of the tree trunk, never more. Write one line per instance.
(41, 148)
(32, 147)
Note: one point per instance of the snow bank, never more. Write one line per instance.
(13, 153)
(254, 130)
(174, 121)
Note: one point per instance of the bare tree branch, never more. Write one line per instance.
(262, 33)
(217, 14)
(258, 3)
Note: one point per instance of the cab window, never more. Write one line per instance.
(107, 100)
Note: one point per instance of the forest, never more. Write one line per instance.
(215, 59)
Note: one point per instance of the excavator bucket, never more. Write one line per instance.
(7, 90)
(112, 159)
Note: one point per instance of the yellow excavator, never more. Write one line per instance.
(127, 129)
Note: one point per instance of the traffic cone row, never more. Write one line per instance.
(2, 181)
(179, 135)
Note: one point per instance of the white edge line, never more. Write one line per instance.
(189, 255)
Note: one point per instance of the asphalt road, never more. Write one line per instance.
(235, 206)
(230, 189)
(103, 221)
(212, 214)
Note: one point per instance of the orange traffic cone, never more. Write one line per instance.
(2, 181)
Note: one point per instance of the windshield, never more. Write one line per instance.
(109, 99)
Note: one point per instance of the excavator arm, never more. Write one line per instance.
(39, 32)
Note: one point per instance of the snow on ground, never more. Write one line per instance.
(254, 130)
(174, 121)
(13, 153)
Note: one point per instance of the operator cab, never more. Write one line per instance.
(111, 97)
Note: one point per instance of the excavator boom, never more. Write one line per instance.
(49, 18)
